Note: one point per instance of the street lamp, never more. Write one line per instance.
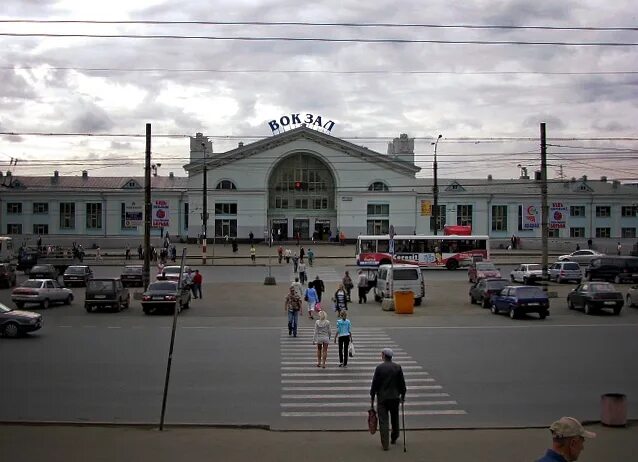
(205, 208)
(154, 167)
(435, 188)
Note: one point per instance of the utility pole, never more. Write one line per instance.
(146, 271)
(435, 189)
(544, 206)
(205, 208)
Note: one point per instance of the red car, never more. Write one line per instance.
(481, 270)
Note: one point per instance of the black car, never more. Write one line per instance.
(43, 272)
(165, 296)
(106, 293)
(7, 274)
(482, 291)
(77, 275)
(132, 276)
(17, 322)
(618, 269)
(594, 296)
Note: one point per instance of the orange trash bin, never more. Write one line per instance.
(404, 302)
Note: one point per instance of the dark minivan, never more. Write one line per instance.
(618, 269)
(106, 293)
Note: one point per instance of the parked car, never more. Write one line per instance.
(132, 276)
(594, 296)
(171, 273)
(482, 269)
(78, 275)
(618, 269)
(581, 256)
(632, 296)
(8, 274)
(527, 273)
(106, 293)
(565, 271)
(165, 296)
(43, 272)
(41, 291)
(399, 277)
(517, 300)
(482, 291)
(14, 323)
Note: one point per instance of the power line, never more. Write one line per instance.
(319, 39)
(323, 24)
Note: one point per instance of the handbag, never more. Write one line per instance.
(351, 349)
(373, 421)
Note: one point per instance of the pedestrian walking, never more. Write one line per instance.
(340, 299)
(577, 246)
(321, 338)
(342, 238)
(347, 284)
(234, 244)
(98, 253)
(311, 256)
(127, 252)
(310, 296)
(251, 237)
(292, 305)
(253, 254)
(187, 280)
(344, 334)
(197, 284)
(140, 252)
(619, 248)
(362, 285)
(319, 287)
(302, 254)
(590, 243)
(568, 440)
(298, 288)
(388, 386)
(288, 254)
(302, 272)
(280, 254)
(295, 262)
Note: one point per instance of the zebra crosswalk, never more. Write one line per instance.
(309, 392)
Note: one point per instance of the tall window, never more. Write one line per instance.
(629, 211)
(186, 215)
(94, 215)
(499, 218)
(225, 184)
(464, 215)
(603, 211)
(14, 228)
(222, 208)
(628, 233)
(14, 207)
(603, 232)
(40, 229)
(67, 215)
(40, 208)
(440, 218)
(123, 223)
(378, 186)
(577, 232)
(225, 219)
(577, 211)
(553, 232)
(378, 221)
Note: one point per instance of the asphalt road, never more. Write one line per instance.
(235, 364)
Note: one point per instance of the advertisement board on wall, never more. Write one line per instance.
(531, 216)
(133, 215)
(557, 215)
(426, 208)
(160, 215)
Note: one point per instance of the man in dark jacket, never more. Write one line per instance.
(388, 385)
(319, 287)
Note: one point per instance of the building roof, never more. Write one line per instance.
(249, 150)
(100, 183)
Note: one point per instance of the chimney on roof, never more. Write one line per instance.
(615, 184)
(584, 177)
(489, 177)
(171, 176)
(85, 174)
(200, 146)
(240, 144)
(8, 172)
(402, 148)
(603, 179)
(55, 178)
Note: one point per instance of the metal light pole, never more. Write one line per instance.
(435, 188)
(205, 208)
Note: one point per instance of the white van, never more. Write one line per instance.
(400, 277)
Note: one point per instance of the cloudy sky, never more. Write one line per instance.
(62, 96)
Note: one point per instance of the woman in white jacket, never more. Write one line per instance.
(321, 338)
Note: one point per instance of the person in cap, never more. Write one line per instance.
(292, 305)
(388, 385)
(568, 440)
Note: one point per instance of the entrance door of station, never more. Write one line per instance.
(322, 228)
(301, 226)
(280, 229)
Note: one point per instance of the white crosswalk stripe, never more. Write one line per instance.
(311, 392)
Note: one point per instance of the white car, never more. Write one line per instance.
(527, 273)
(171, 273)
(581, 256)
(43, 292)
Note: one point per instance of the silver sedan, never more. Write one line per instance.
(581, 256)
(43, 292)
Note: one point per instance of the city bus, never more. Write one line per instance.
(450, 252)
(6, 249)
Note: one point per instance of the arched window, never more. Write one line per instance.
(226, 184)
(378, 186)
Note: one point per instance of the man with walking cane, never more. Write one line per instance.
(388, 385)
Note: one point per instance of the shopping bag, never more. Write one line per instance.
(351, 349)
(373, 421)
(317, 306)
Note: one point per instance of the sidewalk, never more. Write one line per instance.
(37, 443)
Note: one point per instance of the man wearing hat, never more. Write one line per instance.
(568, 440)
(388, 385)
